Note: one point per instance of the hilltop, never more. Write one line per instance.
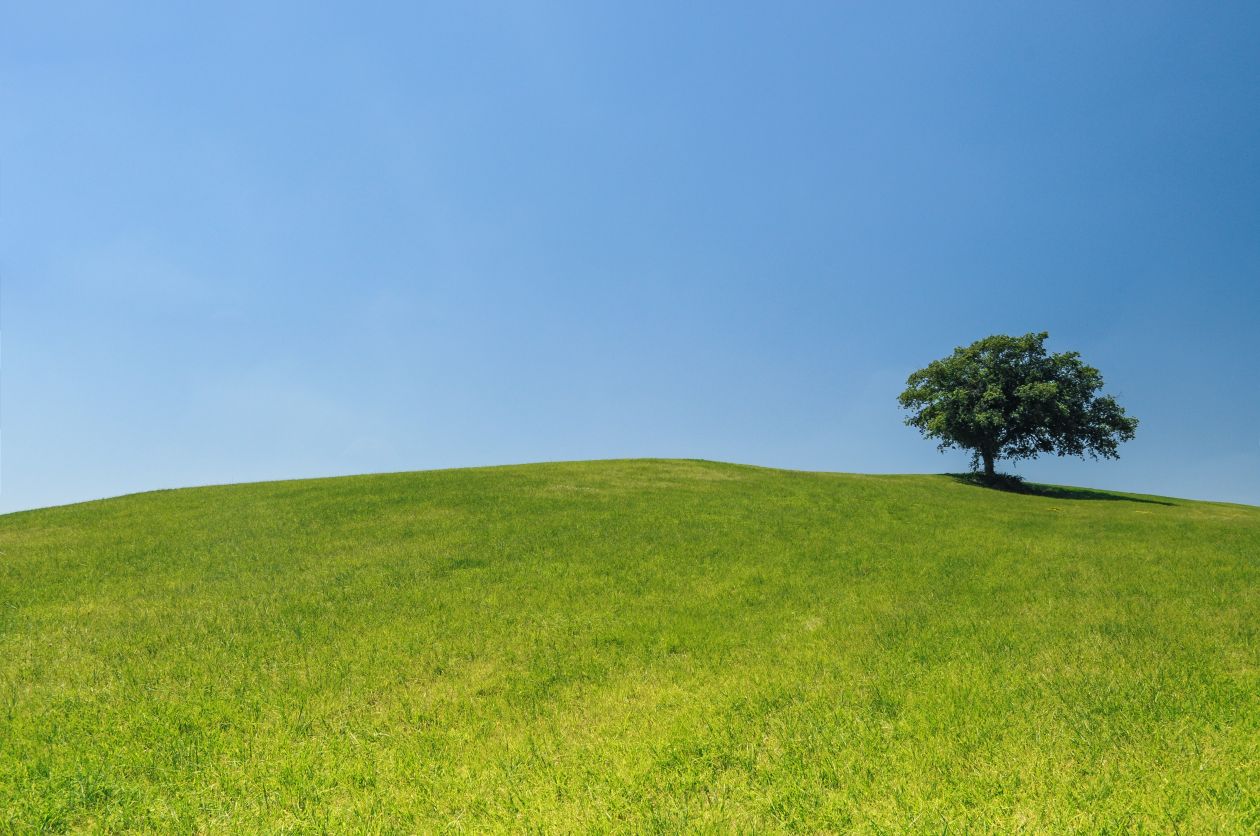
(643, 645)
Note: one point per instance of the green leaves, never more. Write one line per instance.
(1005, 397)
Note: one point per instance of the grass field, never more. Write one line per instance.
(630, 646)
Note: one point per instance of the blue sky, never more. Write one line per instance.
(264, 241)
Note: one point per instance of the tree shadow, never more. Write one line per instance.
(1014, 484)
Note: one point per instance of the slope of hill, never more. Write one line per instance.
(630, 645)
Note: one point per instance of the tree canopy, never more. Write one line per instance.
(1005, 397)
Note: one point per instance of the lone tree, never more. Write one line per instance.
(1006, 398)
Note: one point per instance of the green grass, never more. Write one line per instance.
(630, 646)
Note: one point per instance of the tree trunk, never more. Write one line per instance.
(988, 464)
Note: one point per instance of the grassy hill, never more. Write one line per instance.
(630, 646)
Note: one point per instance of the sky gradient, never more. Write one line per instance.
(242, 243)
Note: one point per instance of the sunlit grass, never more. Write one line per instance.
(630, 646)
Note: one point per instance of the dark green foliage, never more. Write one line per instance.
(1007, 398)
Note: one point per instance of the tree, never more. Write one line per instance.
(1006, 398)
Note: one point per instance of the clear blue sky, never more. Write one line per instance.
(259, 241)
